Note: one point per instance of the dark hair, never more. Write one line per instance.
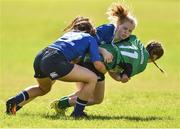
(155, 48)
(81, 24)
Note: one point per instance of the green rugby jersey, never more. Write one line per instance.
(133, 52)
(129, 56)
(114, 51)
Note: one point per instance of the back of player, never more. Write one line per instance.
(74, 44)
(132, 54)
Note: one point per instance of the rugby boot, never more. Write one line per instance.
(55, 105)
(11, 106)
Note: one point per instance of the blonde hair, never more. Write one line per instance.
(118, 13)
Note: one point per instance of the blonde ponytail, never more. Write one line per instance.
(118, 13)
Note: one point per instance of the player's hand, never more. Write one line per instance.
(125, 78)
(108, 57)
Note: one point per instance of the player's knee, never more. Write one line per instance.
(93, 79)
(44, 91)
(99, 100)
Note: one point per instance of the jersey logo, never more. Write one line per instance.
(53, 74)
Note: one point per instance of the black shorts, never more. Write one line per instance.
(91, 67)
(51, 63)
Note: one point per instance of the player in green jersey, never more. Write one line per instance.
(130, 57)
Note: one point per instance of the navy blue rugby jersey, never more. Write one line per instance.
(105, 33)
(77, 44)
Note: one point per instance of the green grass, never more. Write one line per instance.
(150, 99)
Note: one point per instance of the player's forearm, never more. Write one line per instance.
(108, 57)
(102, 50)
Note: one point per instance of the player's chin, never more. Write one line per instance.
(124, 37)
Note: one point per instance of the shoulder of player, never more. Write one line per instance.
(105, 26)
(86, 35)
(89, 37)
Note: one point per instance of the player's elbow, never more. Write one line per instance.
(100, 66)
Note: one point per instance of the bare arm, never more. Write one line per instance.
(100, 66)
(108, 57)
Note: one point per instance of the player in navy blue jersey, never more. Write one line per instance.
(54, 63)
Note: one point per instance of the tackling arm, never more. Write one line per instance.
(100, 66)
(108, 57)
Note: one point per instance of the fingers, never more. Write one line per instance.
(109, 58)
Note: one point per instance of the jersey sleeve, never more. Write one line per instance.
(93, 50)
(104, 33)
(133, 39)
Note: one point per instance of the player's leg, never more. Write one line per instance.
(60, 105)
(56, 66)
(89, 79)
(32, 98)
(96, 98)
(19, 106)
(73, 97)
(43, 87)
(98, 95)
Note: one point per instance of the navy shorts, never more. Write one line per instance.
(91, 67)
(51, 63)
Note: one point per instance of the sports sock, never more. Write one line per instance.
(64, 102)
(22, 96)
(18, 107)
(79, 107)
